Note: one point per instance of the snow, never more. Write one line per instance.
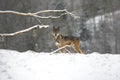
(43, 66)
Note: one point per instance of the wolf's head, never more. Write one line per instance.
(56, 32)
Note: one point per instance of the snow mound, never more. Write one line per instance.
(43, 66)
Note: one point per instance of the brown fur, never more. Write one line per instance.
(66, 40)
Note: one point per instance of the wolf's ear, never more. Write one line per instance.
(53, 27)
(58, 27)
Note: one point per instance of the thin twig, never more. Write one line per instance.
(38, 20)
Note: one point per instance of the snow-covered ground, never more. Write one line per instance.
(43, 66)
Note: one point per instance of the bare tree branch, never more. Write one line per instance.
(61, 49)
(25, 30)
(16, 13)
(36, 14)
(48, 11)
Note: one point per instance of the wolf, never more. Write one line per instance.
(62, 41)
